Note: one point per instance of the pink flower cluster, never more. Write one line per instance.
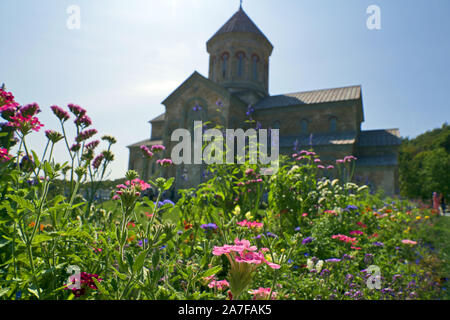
(136, 186)
(60, 113)
(356, 232)
(146, 151)
(251, 224)
(346, 159)
(25, 123)
(407, 241)
(158, 148)
(243, 252)
(86, 134)
(92, 145)
(83, 121)
(164, 162)
(4, 156)
(76, 110)
(262, 294)
(98, 161)
(220, 285)
(86, 282)
(344, 238)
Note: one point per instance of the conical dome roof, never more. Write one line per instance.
(240, 22)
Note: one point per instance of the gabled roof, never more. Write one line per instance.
(240, 22)
(189, 81)
(310, 97)
(372, 138)
(159, 118)
(147, 142)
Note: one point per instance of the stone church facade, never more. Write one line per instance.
(329, 120)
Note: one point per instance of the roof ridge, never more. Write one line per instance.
(326, 89)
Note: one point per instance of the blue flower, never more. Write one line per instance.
(272, 235)
(209, 226)
(307, 240)
(140, 243)
(378, 244)
(351, 207)
(297, 229)
(333, 260)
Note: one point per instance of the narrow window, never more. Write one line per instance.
(240, 64)
(224, 65)
(255, 61)
(304, 126)
(333, 124)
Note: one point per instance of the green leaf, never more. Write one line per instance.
(139, 263)
(24, 203)
(100, 287)
(41, 238)
(211, 271)
(168, 184)
(3, 291)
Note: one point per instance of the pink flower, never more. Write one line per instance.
(25, 124)
(30, 110)
(92, 145)
(356, 232)
(304, 214)
(164, 162)
(262, 294)
(83, 121)
(330, 167)
(220, 285)
(249, 172)
(343, 238)
(86, 134)
(349, 158)
(339, 161)
(4, 156)
(6, 96)
(320, 166)
(157, 148)
(407, 241)
(250, 224)
(98, 161)
(76, 110)
(146, 151)
(60, 113)
(317, 160)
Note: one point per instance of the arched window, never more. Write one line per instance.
(240, 66)
(304, 126)
(255, 61)
(225, 58)
(333, 124)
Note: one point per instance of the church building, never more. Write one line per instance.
(328, 120)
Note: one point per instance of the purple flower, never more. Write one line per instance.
(333, 260)
(307, 240)
(297, 229)
(272, 235)
(209, 226)
(378, 244)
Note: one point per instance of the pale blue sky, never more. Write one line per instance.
(130, 55)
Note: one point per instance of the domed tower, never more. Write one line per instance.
(239, 58)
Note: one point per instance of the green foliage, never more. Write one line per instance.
(425, 164)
